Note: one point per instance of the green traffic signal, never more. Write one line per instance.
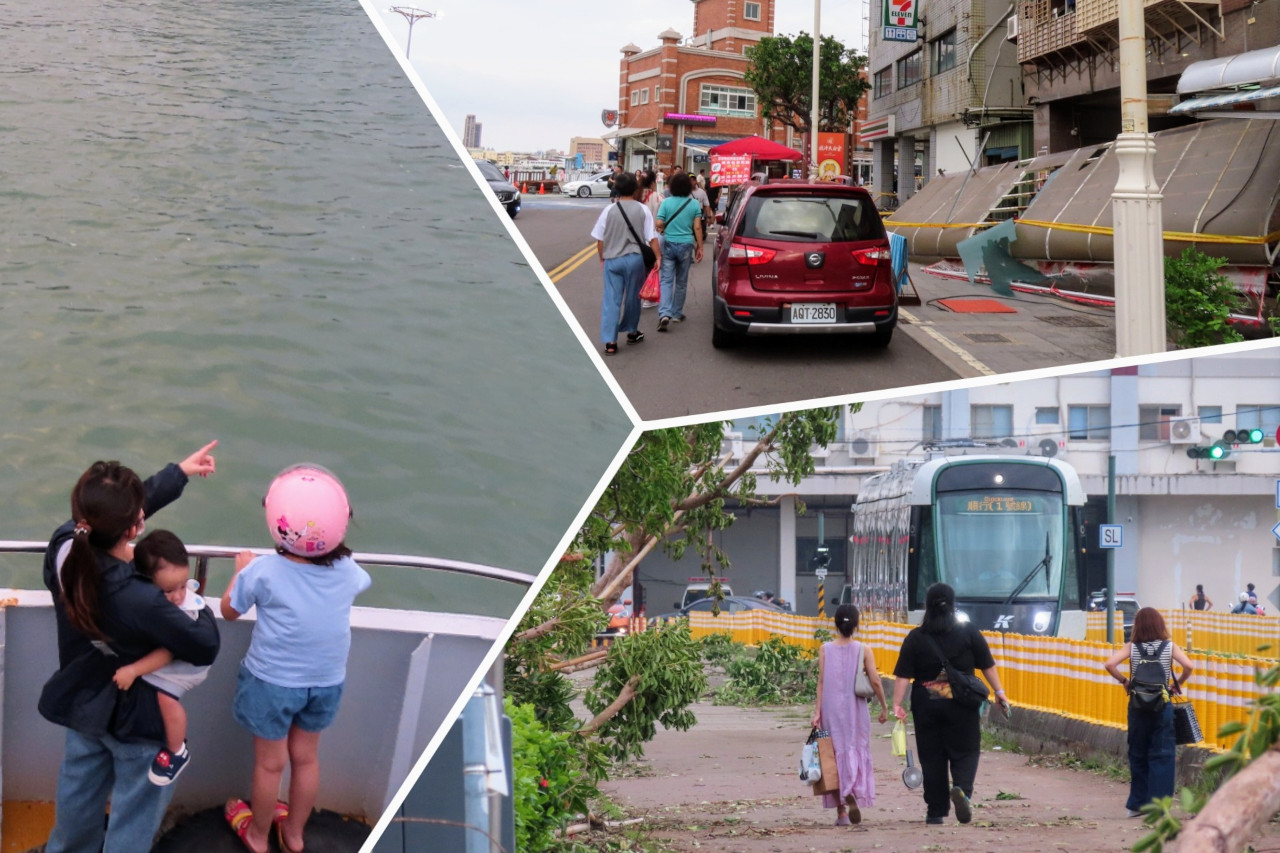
(1218, 451)
(1255, 436)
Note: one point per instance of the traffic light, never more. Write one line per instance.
(1215, 451)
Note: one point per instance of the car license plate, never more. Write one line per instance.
(813, 312)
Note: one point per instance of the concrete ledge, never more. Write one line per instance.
(1045, 733)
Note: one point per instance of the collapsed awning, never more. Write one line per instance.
(1242, 69)
(628, 132)
(1225, 99)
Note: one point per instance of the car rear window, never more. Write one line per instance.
(807, 218)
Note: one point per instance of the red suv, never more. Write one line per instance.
(799, 258)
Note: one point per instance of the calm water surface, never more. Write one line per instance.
(236, 220)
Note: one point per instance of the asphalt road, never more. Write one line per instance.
(679, 373)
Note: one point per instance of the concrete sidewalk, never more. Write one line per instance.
(1042, 332)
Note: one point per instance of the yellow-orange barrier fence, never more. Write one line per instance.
(1096, 626)
(1225, 632)
(1052, 674)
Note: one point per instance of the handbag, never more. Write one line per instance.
(810, 764)
(652, 287)
(1186, 725)
(646, 251)
(862, 682)
(829, 783)
(899, 738)
(967, 689)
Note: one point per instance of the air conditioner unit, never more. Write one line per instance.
(1184, 431)
(864, 444)
(733, 443)
(1011, 30)
(1046, 439)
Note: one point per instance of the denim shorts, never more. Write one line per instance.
(268, 711)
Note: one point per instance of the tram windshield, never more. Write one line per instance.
(989, 543)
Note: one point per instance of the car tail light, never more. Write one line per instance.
(740, 254)
(872, 257)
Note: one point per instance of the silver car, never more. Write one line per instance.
(587, 187)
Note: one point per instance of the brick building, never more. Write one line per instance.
(679, 99)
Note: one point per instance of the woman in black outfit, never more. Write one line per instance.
(108, 616)
(948, 736)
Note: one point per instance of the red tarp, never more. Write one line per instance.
(759, 148)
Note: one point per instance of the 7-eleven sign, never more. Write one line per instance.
(900, 13)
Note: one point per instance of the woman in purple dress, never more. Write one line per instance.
(847, 717)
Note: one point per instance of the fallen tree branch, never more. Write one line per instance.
(538, 630)
(1236, 810)
(590, 657)
(627, 693)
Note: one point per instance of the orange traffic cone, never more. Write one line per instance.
(542, 188)
(524, 188)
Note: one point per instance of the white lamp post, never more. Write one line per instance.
(1137, 202)
(813, 106)
(412, 15)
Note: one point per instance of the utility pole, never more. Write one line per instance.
(813, 104)
(1136, 203)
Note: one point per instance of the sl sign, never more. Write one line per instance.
(1110, 535)
(900, 20)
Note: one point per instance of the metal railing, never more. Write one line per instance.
(203, 553)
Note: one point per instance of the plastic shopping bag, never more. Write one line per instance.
(651, 290)
(900, 739)
(810, 765)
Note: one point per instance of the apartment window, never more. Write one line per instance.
(644, 96)
(1209, 414)
(882, 83)
(751, 11)
(635, 97)
(1088, 423)
(727, 100)
(1047, 415)
(1258, 416)
(931, 429)
(909, 71)
(944, 52)
(1153, 421)
(990, 421)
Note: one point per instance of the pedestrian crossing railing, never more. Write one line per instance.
(1051, 674)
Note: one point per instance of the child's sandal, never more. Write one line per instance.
(239, 817)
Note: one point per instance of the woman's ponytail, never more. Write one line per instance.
(105, 503)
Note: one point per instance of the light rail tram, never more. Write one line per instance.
(1006, 532)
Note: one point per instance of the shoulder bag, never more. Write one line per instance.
(967, 689)
(862, 682)
(646, 251)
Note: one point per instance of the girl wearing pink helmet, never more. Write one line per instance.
(290, 682)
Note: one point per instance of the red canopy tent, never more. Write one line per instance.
(759, 148)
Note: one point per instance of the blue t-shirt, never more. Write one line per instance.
(679, 227)
(303, 633)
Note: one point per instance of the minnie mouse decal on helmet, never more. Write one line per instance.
(307, 510)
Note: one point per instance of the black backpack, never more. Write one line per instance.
(1148, 686)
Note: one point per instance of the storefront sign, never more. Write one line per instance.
(830, 155)
(900, 13)
(609, 117)
(689, 118)
(899, 34)
(877, 128)
(728, 171)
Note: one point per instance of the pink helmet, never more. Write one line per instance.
(307, 510)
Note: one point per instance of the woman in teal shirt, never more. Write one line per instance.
(679, 223)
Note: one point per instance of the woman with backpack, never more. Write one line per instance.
(1151, 655)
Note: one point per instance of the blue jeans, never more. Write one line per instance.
(268, 710)
(620, 305)
(93, 769)
(1151, 756)
(674, 277)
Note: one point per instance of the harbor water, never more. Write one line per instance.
(238, 221)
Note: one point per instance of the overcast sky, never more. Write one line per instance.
(537, 72)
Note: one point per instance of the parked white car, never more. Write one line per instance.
(587, 187)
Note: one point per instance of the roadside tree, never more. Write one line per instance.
(781, 74)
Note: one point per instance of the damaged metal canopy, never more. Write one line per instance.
(1219, 180)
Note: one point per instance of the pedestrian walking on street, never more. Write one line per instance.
(948, 734)
(679, 218)
(1151, 733)
(1200, 601)
(651, 198)
(618, 233)
(847, 716)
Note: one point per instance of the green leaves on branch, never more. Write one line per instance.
(660, 673)
(552, 779)
(781, 74)
(774, 673)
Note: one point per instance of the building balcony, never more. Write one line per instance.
(1050, 31)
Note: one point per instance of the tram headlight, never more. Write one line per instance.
(999, 478)
(962, 617)
(1041, 623)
